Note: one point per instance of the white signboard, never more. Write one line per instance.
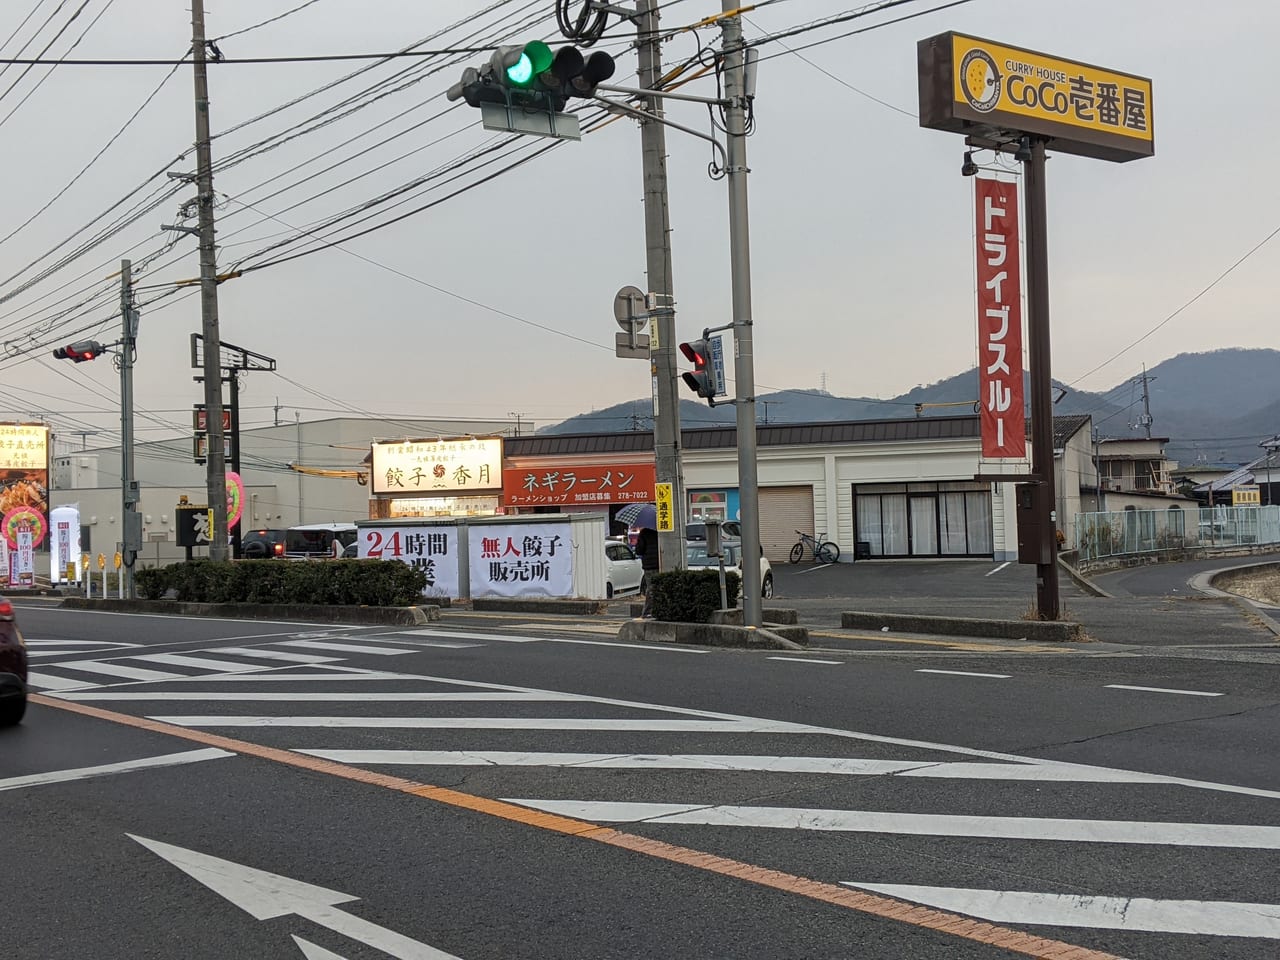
(64, 542)
(23, 563)
(4, 562)
(436, 468)
(519, 560)
(433, 550)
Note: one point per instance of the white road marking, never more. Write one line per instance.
(203, 663)
(45, 681)
(813, 569)
(840, 766)
(1243, 836)
(349, 647)
(312, 952)
(127, 766)
(344, 697)
(118, 670)
(300, 677)
(1198, 917)
(998, 569)
(265, 896)
(652, 647)
(486, 723)
(967, 673)
(273, 655)
(837, 663)
(1185, 693)
(105, 644)
(468, 635)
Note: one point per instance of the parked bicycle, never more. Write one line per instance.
(823, 551)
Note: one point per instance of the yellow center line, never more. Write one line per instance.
(875, 905)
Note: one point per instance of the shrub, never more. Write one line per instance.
(690, 596)
(373, 583)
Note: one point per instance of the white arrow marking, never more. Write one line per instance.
(128, 766)
(265, 896)
(1214, 918)
(312, 952)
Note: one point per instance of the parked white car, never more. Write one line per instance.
(623, 572)
(696, 556)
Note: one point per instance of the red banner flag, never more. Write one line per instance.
(999, 320)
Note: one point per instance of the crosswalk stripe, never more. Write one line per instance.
(127, 766)
(468, 635)
(1200, 917)
(118, 670)
(1245, 836)
(344, 697)
(482, 723)
(202, 663)
(839, 766)
(349, 647)
(273, 655)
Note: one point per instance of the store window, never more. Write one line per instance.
(924, 519)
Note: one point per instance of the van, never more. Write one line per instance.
(315, 540)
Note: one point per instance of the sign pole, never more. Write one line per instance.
(1047, 604)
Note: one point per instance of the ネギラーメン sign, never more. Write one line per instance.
(437, 468)
(583, 485)
(994, 92)
(999, 319)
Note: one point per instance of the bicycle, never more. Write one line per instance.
(824, 551)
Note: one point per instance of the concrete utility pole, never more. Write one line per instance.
(736, 92)
(657, 232)
(1047, 601)
(1145, 420)
(215, 464)
(131, 521)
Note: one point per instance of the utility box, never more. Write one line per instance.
(1033, 539)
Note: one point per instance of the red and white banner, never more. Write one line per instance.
(999, 320)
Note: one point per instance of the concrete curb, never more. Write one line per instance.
(376, 616)
(1083, 582)
(1206, 583)
(1040, 631)
(713, 635)
(778, 615)
(575, 608)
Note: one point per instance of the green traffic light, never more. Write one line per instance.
(534, 59)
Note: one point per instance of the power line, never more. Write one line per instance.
(277, 17)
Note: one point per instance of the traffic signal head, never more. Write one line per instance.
(702, 378)
(80, 351)
(531, 75)
(520, 67)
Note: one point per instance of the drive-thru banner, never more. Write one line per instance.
(999, 320)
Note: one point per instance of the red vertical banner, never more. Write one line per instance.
(999, 320)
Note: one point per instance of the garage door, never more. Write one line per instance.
(783, 511)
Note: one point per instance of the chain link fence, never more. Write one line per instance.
(1128, 532)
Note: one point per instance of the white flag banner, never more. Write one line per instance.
(519, 560)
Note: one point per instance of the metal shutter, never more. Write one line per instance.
(783, 511)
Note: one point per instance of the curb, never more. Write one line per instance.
(576, 608)
(376, 616)
(1040, 631)
(1204, 582)
(1083, 582)
(713, 635)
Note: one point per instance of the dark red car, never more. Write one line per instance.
(13, 668)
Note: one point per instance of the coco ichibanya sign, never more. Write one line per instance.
(994, 92)
(999, 319)
(437, 468)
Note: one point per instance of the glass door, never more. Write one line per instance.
(924, 526)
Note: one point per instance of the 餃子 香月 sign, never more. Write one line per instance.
(437, 468)
(996, 93)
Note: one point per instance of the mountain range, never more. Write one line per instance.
(1213, 407)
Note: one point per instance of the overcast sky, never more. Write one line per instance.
(498, 300)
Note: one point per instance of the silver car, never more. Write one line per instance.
(696, 557)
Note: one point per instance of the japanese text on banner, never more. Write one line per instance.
(999, 320)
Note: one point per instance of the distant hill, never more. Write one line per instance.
(1213, 406)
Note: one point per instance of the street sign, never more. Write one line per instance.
(664, 507)
(717, 363)
(266, 896)
(539, 123)
(631, 346)
(629, 311)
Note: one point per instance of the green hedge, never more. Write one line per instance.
(690, 596)
(372, 583)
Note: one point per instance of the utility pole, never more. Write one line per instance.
(657, 233)
(216, 464)
(1041, 384)
(131, 520)
(1145, 421)
(737, 94)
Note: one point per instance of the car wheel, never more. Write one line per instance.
(608, 591)
(11, 711)
(767, 591)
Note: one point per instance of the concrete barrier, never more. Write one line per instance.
(374, 616)
(1040, 631)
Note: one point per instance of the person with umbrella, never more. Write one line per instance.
(644, 516)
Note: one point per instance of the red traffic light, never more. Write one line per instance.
(80, 351)
(695, 352)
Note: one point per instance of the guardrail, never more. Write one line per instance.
(1134, 532)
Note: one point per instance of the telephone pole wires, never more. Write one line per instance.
(216, 465)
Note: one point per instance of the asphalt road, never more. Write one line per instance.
(497, 788)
